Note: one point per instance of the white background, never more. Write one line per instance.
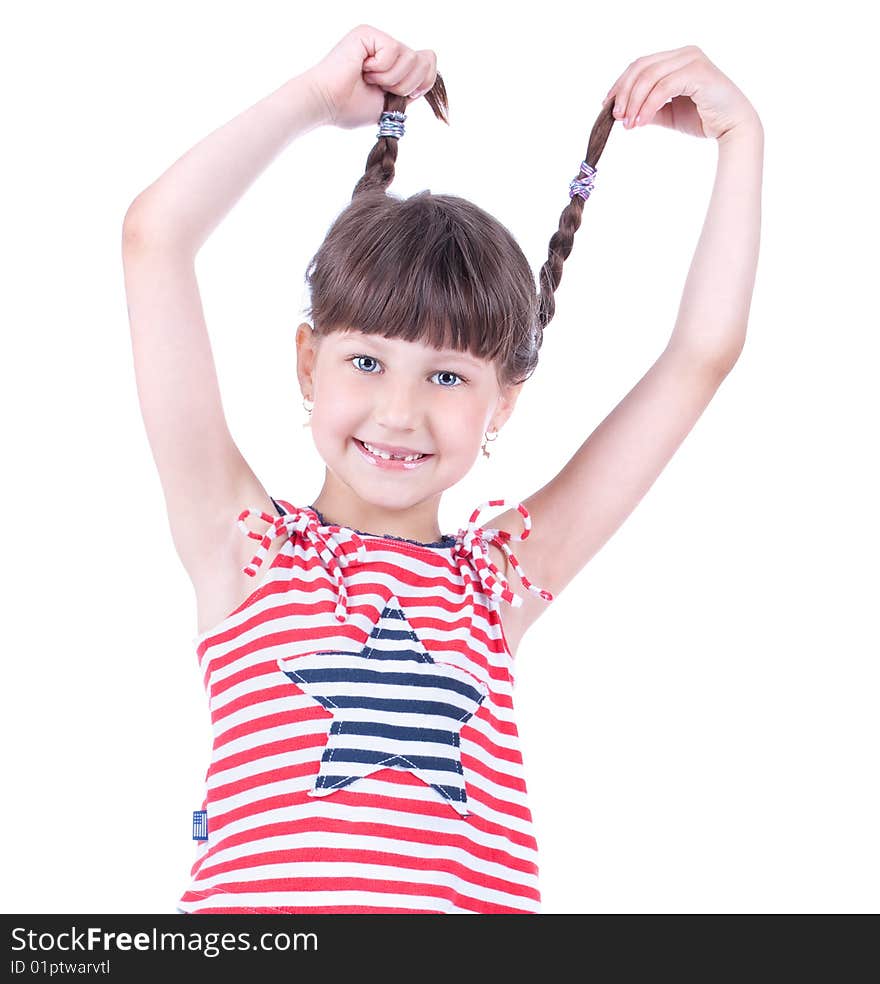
(699, 708)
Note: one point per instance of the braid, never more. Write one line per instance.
(569, 222)
(476, 277)
(379, 171)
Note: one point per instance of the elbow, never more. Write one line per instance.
(719, 364)
(135, 228)
(143, 231)
(727, 358)
(144, 221)
(135, 216)
(715, 359)
(132, 237)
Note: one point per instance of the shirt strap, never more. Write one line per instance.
(328, 543)
(472, 543)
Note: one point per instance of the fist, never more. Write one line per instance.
(352, 79)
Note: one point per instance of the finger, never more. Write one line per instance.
(385, 52)
(623, 74)
(665, 79)
(428, 61)
(634, 67)
(647, 60)
(623, 86)
(411, 83)
(404, 65)
(656, 107)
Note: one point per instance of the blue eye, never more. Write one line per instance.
(447, 372)
(440, 372)
(369, 358)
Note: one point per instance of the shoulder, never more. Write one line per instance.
(528, 556)
(216, 542)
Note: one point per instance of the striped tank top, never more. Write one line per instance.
(365, 755)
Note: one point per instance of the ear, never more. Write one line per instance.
(504, 405)
(307, 344)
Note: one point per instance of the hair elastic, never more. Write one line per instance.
(391, 124)
(583, 186)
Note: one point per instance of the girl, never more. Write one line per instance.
(366, 756)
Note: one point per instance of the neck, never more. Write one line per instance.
(341, 506)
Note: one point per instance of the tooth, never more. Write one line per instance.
(391, 457)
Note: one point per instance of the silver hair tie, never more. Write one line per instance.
(391, 124)
(583, 186)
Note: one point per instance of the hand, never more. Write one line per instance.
(682, 90)
(353, 78)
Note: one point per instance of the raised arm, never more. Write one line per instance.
(204, 477)
(717, 297)
(575, 513)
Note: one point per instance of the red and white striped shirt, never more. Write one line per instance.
(365, 754)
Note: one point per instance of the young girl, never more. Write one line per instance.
(366, 756)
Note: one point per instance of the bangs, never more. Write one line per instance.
(433, 269)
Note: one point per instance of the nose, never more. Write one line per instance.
(398, 407)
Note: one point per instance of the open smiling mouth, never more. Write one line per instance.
(394, 463)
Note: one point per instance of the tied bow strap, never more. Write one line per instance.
(327, 542)
(473, 542)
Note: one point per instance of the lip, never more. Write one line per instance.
(392, 449)
(390, 465)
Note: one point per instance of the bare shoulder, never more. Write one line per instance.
(209, 542)
(220, 583)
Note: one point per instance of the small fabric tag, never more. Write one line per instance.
(200, 825)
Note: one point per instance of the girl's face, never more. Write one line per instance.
(403, 395)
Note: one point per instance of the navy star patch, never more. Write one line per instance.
(393, 706)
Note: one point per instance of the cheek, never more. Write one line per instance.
(332, 424)
(338, 406)
(462, 429)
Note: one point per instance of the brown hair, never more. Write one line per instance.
(437, 268)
